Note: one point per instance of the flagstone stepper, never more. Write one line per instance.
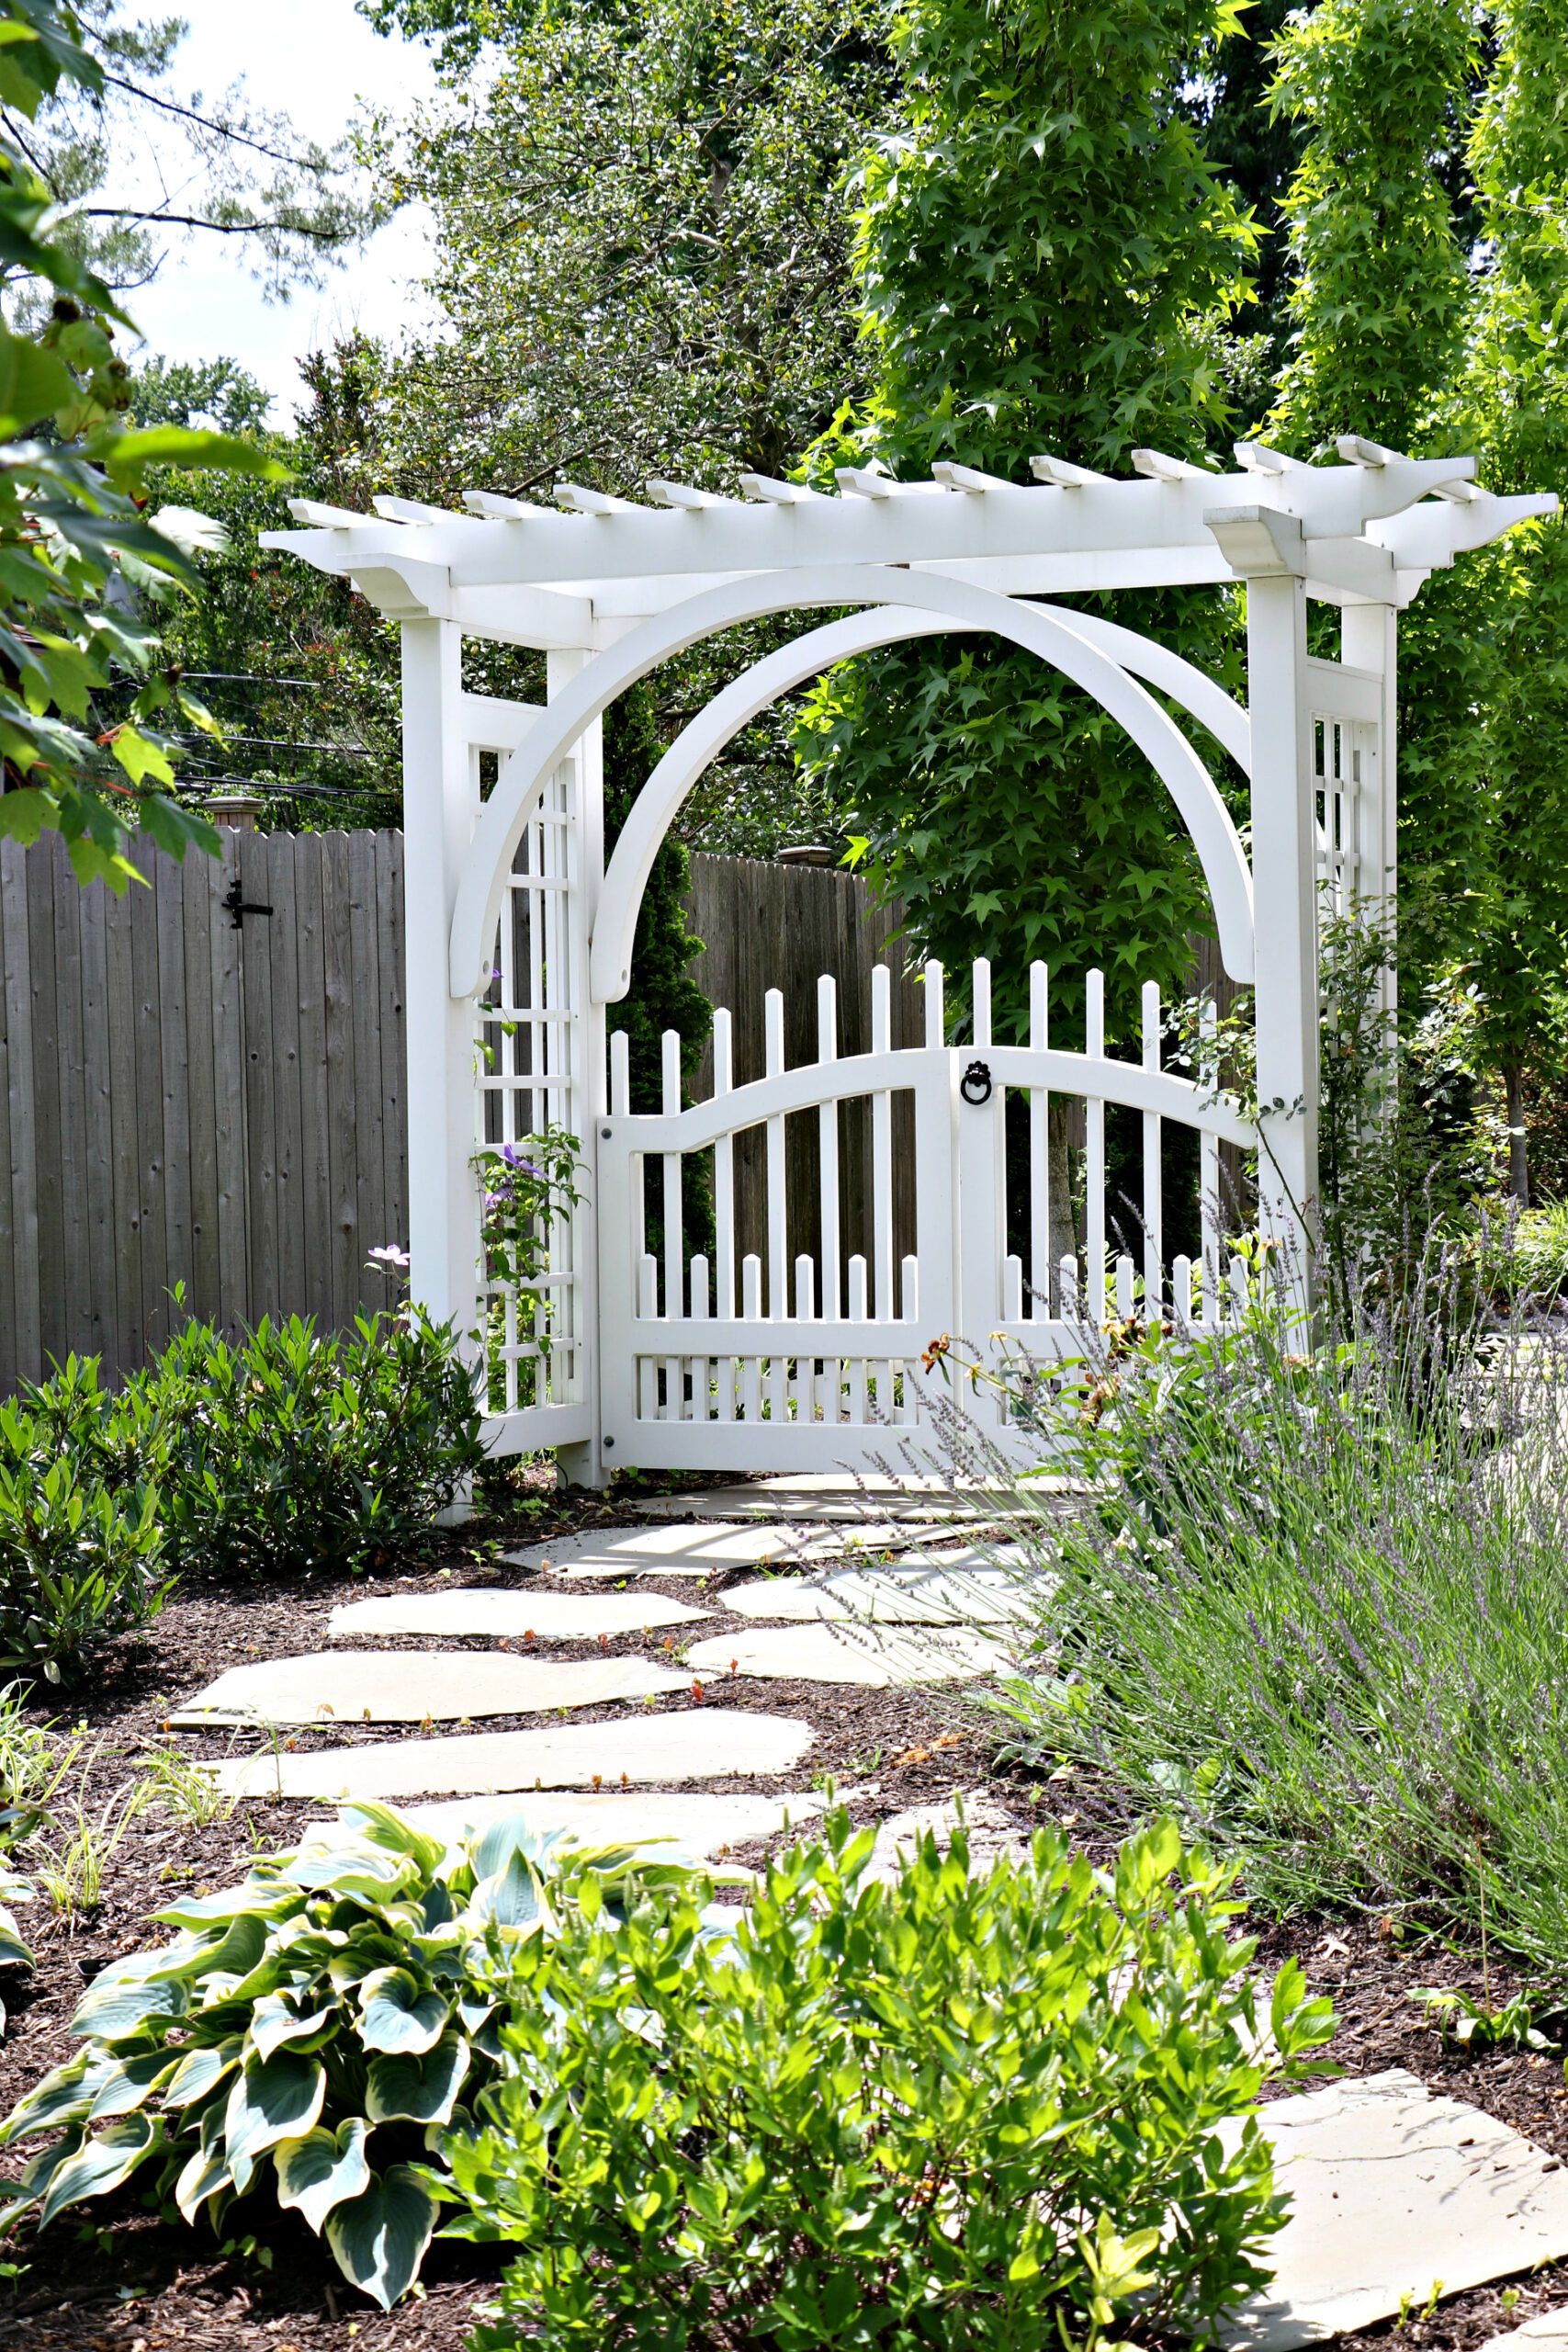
(876, 1659)
(697, 1744)
(969, 1591)
(418, 1686)
(486, 1612)
(1393, 2191)
(689, 1824)
(694, 1548)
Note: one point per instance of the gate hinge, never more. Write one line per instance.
(240, 908)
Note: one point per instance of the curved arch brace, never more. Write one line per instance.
(477, 909)
(700, 743)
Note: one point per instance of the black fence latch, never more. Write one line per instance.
(976, 1083)
(240, 908)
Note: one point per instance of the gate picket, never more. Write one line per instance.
(822, 1367)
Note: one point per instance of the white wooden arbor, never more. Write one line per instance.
(519, 938)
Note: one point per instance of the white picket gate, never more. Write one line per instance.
(820, 1359)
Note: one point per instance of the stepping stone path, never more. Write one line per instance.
(415, 1687)
(1391, 2189)
(461, 1612)
(961, 1590)
(862, 1654)
(704, 1743)
(699, 1550)
(1548, 2331)
(834, 1496)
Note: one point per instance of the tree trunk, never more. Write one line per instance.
(1062, 1228)
(1518, 1158)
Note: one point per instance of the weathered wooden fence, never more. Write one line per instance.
(187, 1100)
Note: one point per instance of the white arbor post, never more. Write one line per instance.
(438, 823)
(582, 1463)
(1284, 884)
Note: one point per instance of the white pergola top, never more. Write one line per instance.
(1367, 530)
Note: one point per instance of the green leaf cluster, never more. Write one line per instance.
(957, 2108)
(81, 560)
(278, 1453)
(1046, 259)
(1429, 288)
(83, 1556)
(306, 2036)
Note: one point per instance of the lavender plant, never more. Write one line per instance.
(1317, 1603)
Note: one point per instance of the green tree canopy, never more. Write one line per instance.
(1047, 261)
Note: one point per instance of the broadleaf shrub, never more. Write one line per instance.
(307, 2034)
(955, 2110)
(283, 1450)
(84, 1554)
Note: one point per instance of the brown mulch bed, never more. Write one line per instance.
(138, 2286)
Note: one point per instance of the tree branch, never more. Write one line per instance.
(207, 122)
(219, 227)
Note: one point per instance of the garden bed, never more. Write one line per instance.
(138, 2286)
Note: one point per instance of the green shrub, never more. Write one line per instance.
(957, 2111)
(1319, 1608)
(284, 1450)
(304, 2036)
(83, 1556)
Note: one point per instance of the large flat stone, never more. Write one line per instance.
(881, 1660)
(991, 1830)
(958, 1588)
(496, 1613)
(1548, 2332)
(688, 1823)
(830, 1495)
(418, 1686)
(698, 1744)
(1393, 2191)
(696, 1548)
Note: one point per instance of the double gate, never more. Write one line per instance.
(813, 1350)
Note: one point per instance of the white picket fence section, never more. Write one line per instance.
(814, 1360)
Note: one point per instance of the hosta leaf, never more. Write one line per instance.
(233, 1953)
(380, 2239)
(513, 1897)
(323, 2170)
(497, 1842)
(101, 2163)
(230, 1903)
(62, 2096)
(382, 1825)
(363, 1871)
(396, 2014)
(14, 1952)
(206, 2174)
(276, 2023)
(408, 2090)
(118, 2007)
(201, 2071)
(132, 2080)
(273, 2100)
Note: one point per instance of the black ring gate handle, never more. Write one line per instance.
(976, 1083)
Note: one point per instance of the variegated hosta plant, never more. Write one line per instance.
(307, 2033)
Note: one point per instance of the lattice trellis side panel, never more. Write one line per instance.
(1352, 857)
(530, 1085)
